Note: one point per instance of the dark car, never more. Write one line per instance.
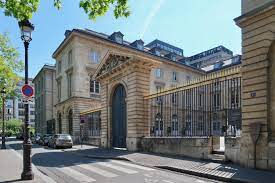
(61, 140)
(45, 139)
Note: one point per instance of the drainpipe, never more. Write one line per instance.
(255, 129)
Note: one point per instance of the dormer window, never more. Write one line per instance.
(117, 37)
(157, 52)
(139, 44)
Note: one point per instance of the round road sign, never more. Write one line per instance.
(27, 90)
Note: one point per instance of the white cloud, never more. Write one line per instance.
(156, 7)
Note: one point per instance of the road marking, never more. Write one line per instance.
(76, 175)
(118, 168)
(168, 181)
(132, 165)
(37, 172)
(97, 170)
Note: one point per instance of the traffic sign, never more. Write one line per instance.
(27, 90)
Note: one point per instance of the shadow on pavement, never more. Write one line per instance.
(16, 180)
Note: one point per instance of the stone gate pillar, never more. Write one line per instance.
(258, 27)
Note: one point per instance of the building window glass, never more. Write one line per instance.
(59, 63)
(94, 57)
(188, 78)
(69, 85)
(174, 76)
(70, 57)
(159, 73)
(94, 86)
(157, 53)
(59, 91)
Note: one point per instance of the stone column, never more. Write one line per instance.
(138, 82)
(257, 24)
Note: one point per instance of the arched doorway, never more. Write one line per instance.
(59, 123)
(119, 117)
(70, 121)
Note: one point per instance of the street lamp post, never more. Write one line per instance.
(27, 174)
(3, 92)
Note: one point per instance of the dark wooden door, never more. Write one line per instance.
(119, 117)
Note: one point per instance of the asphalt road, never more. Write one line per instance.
(67, 167)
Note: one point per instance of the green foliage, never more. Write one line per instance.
(12, 127)
(9, 66)
(24, 9)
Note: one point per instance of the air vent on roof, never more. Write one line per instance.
(139, 44)
(117, 37)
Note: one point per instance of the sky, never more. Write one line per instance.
(193, 25)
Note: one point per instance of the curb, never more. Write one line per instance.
(204, 175)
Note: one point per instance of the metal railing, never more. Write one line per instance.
(208, 108)
(91, 124)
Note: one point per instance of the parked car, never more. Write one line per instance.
(61, 140)
(36, 138)
(45, 139)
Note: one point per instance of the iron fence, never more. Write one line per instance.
(211, 108)
(91, 124)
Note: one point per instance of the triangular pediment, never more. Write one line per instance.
(109, 62)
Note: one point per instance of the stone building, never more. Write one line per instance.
(117, 93)
(79, 60)
(45, 98)
(257, 146)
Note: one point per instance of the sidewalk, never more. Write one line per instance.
(216, 171)
(11, 166)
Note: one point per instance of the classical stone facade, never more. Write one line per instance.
(45, 98)
(85, 56)
(258, 33)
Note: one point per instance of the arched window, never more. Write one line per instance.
(70, 120)
(94, 86)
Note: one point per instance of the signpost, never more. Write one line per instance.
(27, 90)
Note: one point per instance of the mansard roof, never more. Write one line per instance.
(126, 44)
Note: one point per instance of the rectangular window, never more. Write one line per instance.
(69, 85)
(59, 91)
(94, 57)
(174, 76)
(59, 63)
(159, 73)
(188, 78)
(70, 57)
(94, 87)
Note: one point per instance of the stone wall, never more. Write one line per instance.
(96, 141)
(199, 147)
(257, 37)
(232, 149)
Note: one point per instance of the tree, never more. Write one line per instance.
(10, 66)
(24, 9)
